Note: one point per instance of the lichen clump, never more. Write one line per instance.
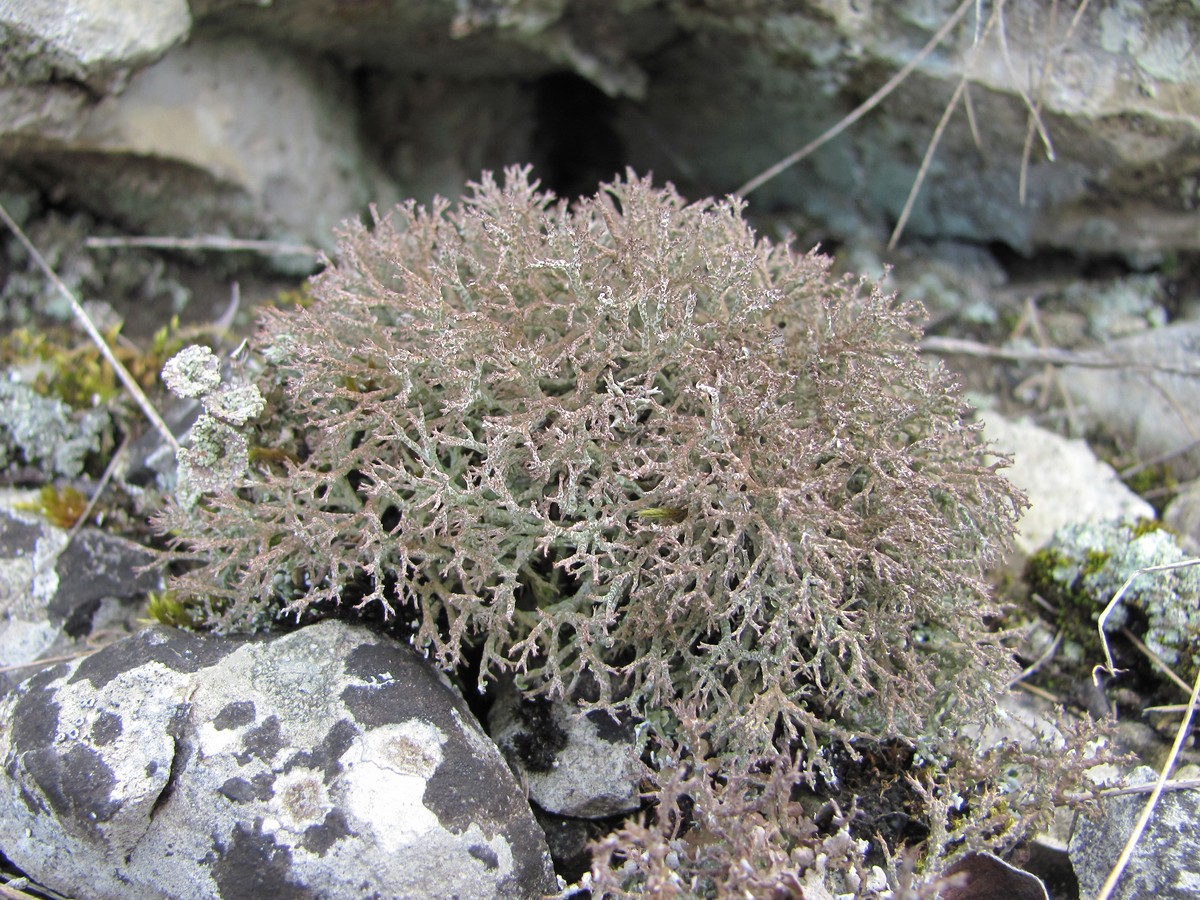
(622, 444)
(45, 434)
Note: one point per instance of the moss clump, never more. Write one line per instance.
(62, 506)
(624, 443)
(166, 608)
(75, 372)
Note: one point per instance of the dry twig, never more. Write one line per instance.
(207, 242)
(1048, 356)
(1114, 876)
(1139, 828)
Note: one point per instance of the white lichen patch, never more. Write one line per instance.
(386, 773)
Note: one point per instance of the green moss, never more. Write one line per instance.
(298, 298)
(1094, 561)
(166, 608)
(74, 370)
(1144, 526)
(62, 507)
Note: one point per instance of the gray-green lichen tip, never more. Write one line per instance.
(192, 372)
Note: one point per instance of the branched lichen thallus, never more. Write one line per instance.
(624, 442)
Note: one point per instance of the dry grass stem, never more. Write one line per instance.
(1048, 355)
(1046, 656)
(49, 660)
(1036, 127)
(1155, 659)
(1038, 692)
(89, 326)
(1179, 784)
(862, 109)
(1114, 876)
(1103, 620)
(951, 106)
(207, 242)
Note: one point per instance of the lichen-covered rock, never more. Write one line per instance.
(1085, 564)
(327, 762)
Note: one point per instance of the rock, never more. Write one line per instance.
(328, 762)
(55, 590)
(467, 39)
(706, 95)
(1183, 515)
(1152, 410)
(752, 84)
(260, 142)
(93, 567)
(92, 41)
(1062, 479)
(1166, 862)
(982, 876)
(581, 765)
(1086, 565)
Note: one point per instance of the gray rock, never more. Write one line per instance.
(1152, 411)
(328, 762)
(706, 95)
(195, 124)
(982, 876)
(1166, 863)
(55, 590)
(469, 39)
(1183, 515)
(93, 41)
(580, 765)
(1063, 480)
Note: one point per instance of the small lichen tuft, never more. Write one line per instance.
(217, 453)
(192, 372)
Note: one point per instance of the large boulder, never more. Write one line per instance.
(328, 762)
(95, 42)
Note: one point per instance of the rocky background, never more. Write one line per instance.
(1069, 148)
(160, 151)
